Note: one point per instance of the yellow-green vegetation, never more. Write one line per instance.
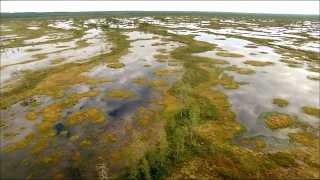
(246, 71)
(9, 134)
(20, 145)
(40, 146)
(2, 123)
(20, 29)
(161, 57)
(57, 95)
(33, 50)
(232, 68)
(280, 102)
(314, 69)
(145, 116)
(239, 70)
(53, 112)
(161, 50)
(259, 144)
(36, 57)
(172, 64)
(245, 141)
(314, 78)
(159, 44)
(228, 82)
(58, 176)
(293, 64)
(76, 156)
(35, 104)
(219, 158)
(76, 96)
(128, 127)
(305, 138)
(279, 120)
(49, 80)
(82, 44)
(147, 65)
(74, 138)
(158, 83)
(62, 46)
(109, 137)
(86, 142)
(32, 116)
(243, 83)
(250, 46)
(118, 93)
(227, 54)
(54, 158)
(258, 63)
(58, 60)
(63, 133)
(313, 111)
(115, 65)
(194, 128)
(163, 72)
(93, 114)
(287, 61)
(219, 61)
(142, 80)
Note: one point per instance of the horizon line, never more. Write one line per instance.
(163, 11)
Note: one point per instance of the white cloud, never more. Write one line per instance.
(282, 7)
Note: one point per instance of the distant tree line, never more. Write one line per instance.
(157, 13)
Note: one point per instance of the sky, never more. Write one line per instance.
(275, 7)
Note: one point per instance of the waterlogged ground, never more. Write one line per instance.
(159, 97)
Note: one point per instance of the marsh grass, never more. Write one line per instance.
(305, 138)
(141, 80)
(314, 78)
(250, 46)
(115, 65)
(33, 50)
(199, 128)
(227, 54)
(48, 78)
(118, 93)
(258, 63)
(94, 114)
(58, 60)
(163, 72)
(313, 111)
(280, 102)
(276, 120)
(158, 83)
(32, 116)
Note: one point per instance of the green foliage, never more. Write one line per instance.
(181, 140)
(143, 26)
(208, 111)
(283, 159)
(145, 169)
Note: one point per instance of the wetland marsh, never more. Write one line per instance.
(156, 97)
